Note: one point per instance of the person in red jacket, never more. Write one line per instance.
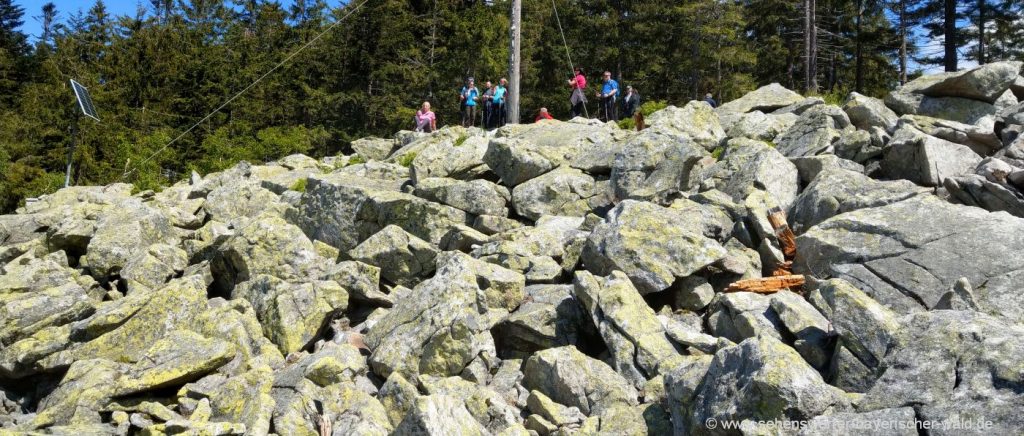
(543, 115)
(578, 100)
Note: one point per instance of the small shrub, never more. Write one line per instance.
(646, 109)
(299, 185)
(461, 140)
(406, 160)
(355, 159)
(717, 153)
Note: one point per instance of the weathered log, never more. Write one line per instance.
(767, 285)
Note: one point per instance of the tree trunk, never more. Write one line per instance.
(903, 42)
(981, 32)
(949, 27)
(859, 51)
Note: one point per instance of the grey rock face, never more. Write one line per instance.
(696, 121)
(402, 258)
(926, 160)
(639, 345)
(837, 191)
(444, 324)
(477, 197)
(551, 317)
(563, 191)
(760, 126)
(867, 112)
(766, 99)
(575, 380)
(655, 166)
(899, 254)
(653, 245)
(373, 148)
(981, 140)
(810, 166)
(748, 165)
(985, 83)
(815, 132)
(759, 379)
(952, 365)
(125, 232)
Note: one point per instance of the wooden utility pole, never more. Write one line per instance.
(513, 64)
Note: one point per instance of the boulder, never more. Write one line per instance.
(563, 191)
(810, 166)
(810, 328)
(864, 326)
(638, 343)
(651, 244)
(696, 121)
(588, 145)
(814, 132)
(439, 415)
(569, 377)
(985, 82)
(550, 317)
(489, 409)
(125, 330)
(900, 254)
(837, 191)
(292, 313)
(476, 197)
(267, 245)
(982, 141)
(926, 160)
(976, 190)
(240, 200)
(373, 148)
(957, 109)
(944, 380)
(123, 233)
(760, 379)
(451, 159)
(748, 165)
(766, 99)
(655, 166)
(331, 204)
(867, 112)
(740, 315)
(445, 322)
(901, 421)
(760, 126)
(402, 258)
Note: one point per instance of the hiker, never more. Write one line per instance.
(543, 115)
(498, 102)
(608, 95)
(468, 96)
(577, 100)
(710, 101)
(488, 104)
(426, 121)
(630, 102)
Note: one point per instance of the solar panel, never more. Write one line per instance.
(84, 100)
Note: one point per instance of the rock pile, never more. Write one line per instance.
(550, 278)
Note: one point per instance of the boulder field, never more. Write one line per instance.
(548, 279)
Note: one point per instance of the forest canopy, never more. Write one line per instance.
(157, 72)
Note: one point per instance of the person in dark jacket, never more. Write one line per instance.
(630, 102)
(710, 101)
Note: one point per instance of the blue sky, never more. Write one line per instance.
(66, 8)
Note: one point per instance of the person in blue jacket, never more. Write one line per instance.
(608, 95)
(710, 101)
(498, 102)
(469, 96)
